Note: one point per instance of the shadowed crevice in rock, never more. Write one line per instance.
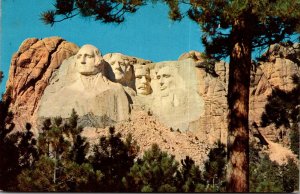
(43, 70)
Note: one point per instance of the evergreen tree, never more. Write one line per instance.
(214, 172)
(290, 176)
(114, 158)
(269, 176)
(190, 177)
(62, 164)
(8, 149)
(155, 172)
(294, 137)
(264, 176)
(69, 177)
(17, 149)
(230, 28)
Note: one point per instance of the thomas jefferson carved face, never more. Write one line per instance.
(165, 80)
(142, 81)
(89, 60)
(121, 66)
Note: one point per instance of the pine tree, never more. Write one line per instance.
(62, 163)
(290, 176)
(17, 149)
(114, 158)
(214, 172)
(155, 172)
(230, 28)
(264, 176)
(189, 177)
(269, 176)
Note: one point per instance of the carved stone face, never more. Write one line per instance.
(142, 81)
(88, 60)
(120, 66)
(165, 80)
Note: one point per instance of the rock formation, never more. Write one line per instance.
(149, 100)
(121, 68)
(30, 70)
(80, 84)
(147, 129)
(176, 100)
(280, 63)
(212, 125)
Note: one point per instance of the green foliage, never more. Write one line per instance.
(264, 175)
(49, 175)
(104, 11)
(190, 177)
(269, 23)
(38, 179)
(272, 20)
(294, 137)
(215, 168)
(158, 171)
(269, 176)
(155, 172)
(17, 149)
(62, 164)
(114, 158)
(290, 176)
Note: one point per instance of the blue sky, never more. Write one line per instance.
(147, 34)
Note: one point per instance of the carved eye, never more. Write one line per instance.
(139, 77)
(166, 76)
(158, 77)
(78, 56)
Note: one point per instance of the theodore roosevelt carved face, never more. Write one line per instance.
(142, 80)
(89, 60)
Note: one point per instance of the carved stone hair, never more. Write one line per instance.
(142, 66)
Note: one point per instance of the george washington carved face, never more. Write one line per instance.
(89, 60)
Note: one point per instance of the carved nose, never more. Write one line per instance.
(161, 81)
(143, 80)
(83, 60)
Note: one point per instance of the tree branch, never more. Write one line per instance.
(65, 18)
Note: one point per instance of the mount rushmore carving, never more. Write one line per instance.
(44, 81)
(105, 89)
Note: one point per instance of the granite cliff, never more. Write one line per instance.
(30, 70)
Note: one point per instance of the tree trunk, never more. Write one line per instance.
(238, 102)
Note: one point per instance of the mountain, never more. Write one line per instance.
(181, 105)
